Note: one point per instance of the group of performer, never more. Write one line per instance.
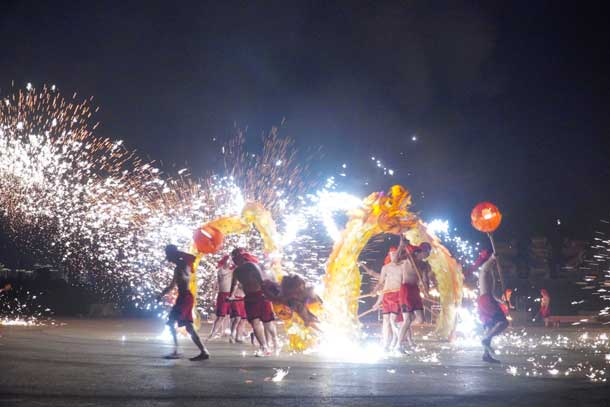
(399, 297)
(247, 293)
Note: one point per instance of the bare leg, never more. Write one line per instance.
(259, 333)
(489, 335)
(386, 332)
(171, 324)
(218, 323)
(495, 330)
(267, 334)
(239, 333)
(395, 331)
(172, 330)
(235, 323)
(419, 317)
(226, 324)
(271, 332)
(405, 329)
(195, 337)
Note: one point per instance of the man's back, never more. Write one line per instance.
(183, 270)
(249, 276)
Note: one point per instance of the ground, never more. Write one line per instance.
(117, 363)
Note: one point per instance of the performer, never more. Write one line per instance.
(490, 313)
(223, 306)
(411, 304)
(545, 306)
(296, 294)
(389, 284)
(6, 287)
(182, 311)
(259, 309)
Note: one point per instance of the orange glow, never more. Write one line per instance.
(208, 239)
(486, 217)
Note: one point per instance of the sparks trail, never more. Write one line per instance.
(102, 214)
(93, 204)
(596, 270)
(273, 177)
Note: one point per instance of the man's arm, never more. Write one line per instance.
(426, 279)
(233, 285)
(167, 289)
(402, 244)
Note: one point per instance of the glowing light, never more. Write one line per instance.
(280, 374)
(438, 226)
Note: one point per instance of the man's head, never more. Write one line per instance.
(171, 252)
(422, 251)
(240, 256)
(393, 254)
(237, 256)
(293, 286)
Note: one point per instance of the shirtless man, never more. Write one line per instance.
(490, 313)
(389, 283)
(259, 309)
(410, 299)
(182, 311)
(223, 306)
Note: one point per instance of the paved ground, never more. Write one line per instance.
(94, 363)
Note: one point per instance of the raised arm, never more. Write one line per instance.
(402, 244)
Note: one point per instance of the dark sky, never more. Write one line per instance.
(509, 100)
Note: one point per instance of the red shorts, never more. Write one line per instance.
(258, 307)
(238, 308)
(410, 299)
(545, 312)
(490, 312)
(390, 304)
(223, 307)
(182, 311)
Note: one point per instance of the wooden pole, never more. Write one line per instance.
(367, 312)
(499, 269)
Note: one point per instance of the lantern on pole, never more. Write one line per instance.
(486, 218)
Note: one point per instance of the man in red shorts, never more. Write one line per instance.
(182, 311)
(223, 306)
(390, 279)
(490, 313)
(259, 309)
(411, 304)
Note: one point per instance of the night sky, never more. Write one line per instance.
(508, 100)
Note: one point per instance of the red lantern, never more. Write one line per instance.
(208, 239)
(486, 217)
